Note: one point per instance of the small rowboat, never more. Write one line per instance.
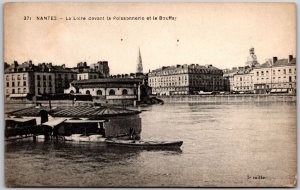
(145, 144)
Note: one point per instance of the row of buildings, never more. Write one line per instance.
(28, 79)
(186, 79)
(273, 76)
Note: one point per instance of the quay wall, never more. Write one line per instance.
(232, 98)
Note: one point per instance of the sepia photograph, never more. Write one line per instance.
(150, 94)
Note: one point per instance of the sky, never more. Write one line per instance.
(220, 34)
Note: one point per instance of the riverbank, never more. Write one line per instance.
(232, 98)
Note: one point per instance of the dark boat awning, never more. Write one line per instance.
(20, 122)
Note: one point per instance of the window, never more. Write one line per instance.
(99, 92)
(44, 77)
(273, 72)
(18, 83)
(24, 90)
(71, 92)
(19, 90)
(267, 73)
(278, 71)
(50, 78)
(19, 77)
(13, 84)
(284, 71)
(13, 91)
(24, 83)
(124, 92)
(12, 77)
(7, 77)
(262, 73)
(7, 84)
(87, 92)
(290, 79)
(24, 76)
(257, 73)
(38, 77)
(290, 70)
(112, 92)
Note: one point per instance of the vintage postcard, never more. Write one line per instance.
(150, 94)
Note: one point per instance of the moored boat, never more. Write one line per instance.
(145, 144)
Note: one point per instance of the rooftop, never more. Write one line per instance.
(279, 63)
(32, 111)
(185, 66)
(76, 111)
(108, 80)
(93, 112)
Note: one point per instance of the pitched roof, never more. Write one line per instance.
(76, 111)
(32, 111)
(93, 112)
(278, 63)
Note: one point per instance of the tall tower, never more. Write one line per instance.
(251, 59)
(139, 68)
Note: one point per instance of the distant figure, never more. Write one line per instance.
(131, 133)
(102, 131)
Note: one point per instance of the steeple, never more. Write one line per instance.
(139, 68)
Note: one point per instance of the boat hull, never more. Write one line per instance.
(145, 144)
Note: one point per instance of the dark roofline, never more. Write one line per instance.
(108, 80)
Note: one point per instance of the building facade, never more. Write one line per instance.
(102, 68)
(87, 75)
(19, 84)
(276, 76)
(123, 89)
(28, 80)
(186, 79)
(273, 76)
(243, 81)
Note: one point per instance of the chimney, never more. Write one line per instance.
(274, 60)
(290, 58)
(16, 63)
(178, 66)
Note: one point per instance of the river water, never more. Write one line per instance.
(251, 144)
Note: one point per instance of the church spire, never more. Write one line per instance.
(139, 68)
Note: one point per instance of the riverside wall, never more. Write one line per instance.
(232, 98)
